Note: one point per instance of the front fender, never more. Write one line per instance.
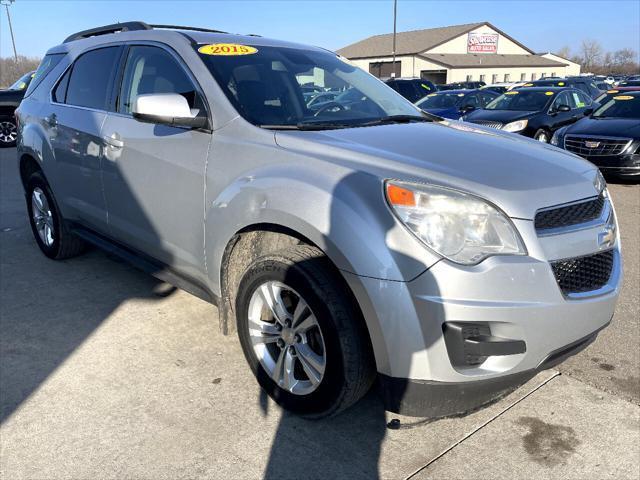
(342, 211)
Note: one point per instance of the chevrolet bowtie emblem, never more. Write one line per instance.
(607, 237)
(590, 144)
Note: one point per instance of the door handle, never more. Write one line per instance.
(51, 120)
(114, 140)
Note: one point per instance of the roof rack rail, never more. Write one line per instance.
(181, 27)
(106, 29)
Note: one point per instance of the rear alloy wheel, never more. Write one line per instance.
(542, 136)
(302, 333)
(49, 229)
(8, 132)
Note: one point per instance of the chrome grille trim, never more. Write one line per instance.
(607, 146)
(488, 123)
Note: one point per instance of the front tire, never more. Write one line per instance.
(542, 136)
(48, 227)
(301, 334)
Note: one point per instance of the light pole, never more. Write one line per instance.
(393, 63)
(6, 4)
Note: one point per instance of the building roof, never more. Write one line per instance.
(542, 54)
(413, 42)
(470, 60)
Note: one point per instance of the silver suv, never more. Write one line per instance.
(345, 240)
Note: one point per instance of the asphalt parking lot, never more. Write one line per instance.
(106, 372)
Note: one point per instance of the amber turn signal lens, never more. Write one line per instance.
(400, 196)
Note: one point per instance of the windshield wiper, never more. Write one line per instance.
(401, 119)
(307, 126)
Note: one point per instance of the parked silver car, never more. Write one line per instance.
(358, 241)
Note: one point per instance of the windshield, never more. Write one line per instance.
(521, 100)
(620, 106)
(22, 82)
(441, 100)
(267, 86)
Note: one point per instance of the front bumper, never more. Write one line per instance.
(620, 165)
(515, 299)
(425, 398)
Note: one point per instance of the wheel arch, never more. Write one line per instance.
(256, 240)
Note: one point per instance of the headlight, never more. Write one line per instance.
(459, 226)
(600, 184)
(556, 139)
(516, 126)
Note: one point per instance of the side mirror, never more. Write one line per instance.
(563, 108)
(166, 109)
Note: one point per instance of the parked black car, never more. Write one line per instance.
(609, 138)
(535, 112)
(413, 89)
(9, 101)
(630, 83)
(453, 104)
(586, 84)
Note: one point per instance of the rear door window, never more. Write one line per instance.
(91, 78)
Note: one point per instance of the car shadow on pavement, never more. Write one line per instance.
(49, 308)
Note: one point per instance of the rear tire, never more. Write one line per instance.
(49, 229)
(542, 136)
(8, 131)
(327, 367)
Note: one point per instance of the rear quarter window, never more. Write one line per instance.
(47, 64)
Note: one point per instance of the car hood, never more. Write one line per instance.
(452, 113)
(502, 116)
(616, 127)
(518, 174)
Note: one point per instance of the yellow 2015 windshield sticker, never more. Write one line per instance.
(528, 84)
(432, 95)
(612, 91)
(624, 97)
(561, 84)
(548, 93)
(512, 92)
(227, 49)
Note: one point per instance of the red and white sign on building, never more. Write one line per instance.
(482, 43)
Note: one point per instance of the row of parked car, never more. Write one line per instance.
(571, 113)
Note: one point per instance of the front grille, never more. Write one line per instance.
(488, 123)
(583, 274)
(570, 214)
(595, 147)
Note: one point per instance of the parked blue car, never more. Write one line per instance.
(453, 104)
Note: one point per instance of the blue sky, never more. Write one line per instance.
(542, 25)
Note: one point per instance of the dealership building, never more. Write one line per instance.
(472, 52)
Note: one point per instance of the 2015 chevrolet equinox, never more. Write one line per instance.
(356, 238)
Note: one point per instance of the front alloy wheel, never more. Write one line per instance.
(302, 332)
(286, 338)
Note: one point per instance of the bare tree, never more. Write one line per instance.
(564, 52)
(591, 51)
(11, 70)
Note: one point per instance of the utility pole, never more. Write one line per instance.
(6, 4)
(393, 63)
